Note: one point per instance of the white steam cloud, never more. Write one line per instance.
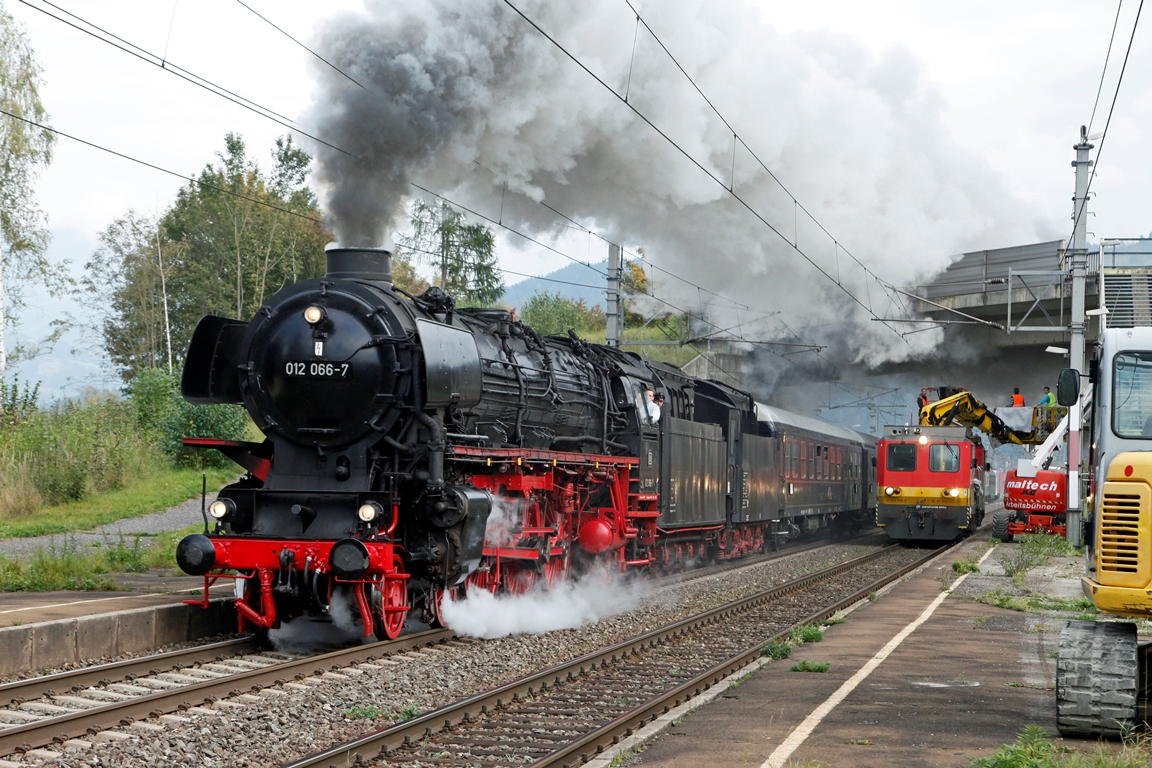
(308, 635)
(567, 605)
(502, 522)
(464, 98)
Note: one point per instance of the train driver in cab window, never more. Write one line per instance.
(652, 406)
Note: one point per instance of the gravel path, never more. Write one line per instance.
(172, 519)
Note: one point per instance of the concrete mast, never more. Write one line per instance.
(613, 339)
(1079, 256)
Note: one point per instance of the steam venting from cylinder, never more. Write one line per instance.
(359, 264)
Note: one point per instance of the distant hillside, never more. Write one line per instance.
(517, 295)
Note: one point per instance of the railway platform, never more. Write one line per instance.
(45, 630)
(955, 686)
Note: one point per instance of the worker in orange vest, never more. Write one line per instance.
(1017, 398)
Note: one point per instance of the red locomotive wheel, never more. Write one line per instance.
(394, 602)
(479, 580)
(519, 581)
(555, 571)
(439, 598)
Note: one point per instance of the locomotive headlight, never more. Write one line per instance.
(891, 491)
(369, 511)
(314, 314)
(923, 440)
(221, 508)
(954, 492)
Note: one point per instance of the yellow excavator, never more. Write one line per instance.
(959, 406)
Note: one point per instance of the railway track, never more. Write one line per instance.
(141, 692)
(569, 713)
(100, 707)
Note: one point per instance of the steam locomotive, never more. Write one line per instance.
(416, 451)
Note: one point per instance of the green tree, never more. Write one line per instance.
(550, 314)
(463, 253)
(125, 290)
(245, 236)
(230, 240)
(404, 275)
(23, 149)
(634, 282)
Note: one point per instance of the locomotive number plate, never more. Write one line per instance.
(318, 370)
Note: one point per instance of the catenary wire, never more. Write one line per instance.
(267, 21)
(1104, 69)
(1100, 149)
(708, 173)
(258, 109)
(151, 58)
(154, 167)
(253, 106)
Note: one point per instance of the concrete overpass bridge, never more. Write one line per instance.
(1020, 297)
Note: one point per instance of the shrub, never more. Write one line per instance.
(809, 633)
(810, 666)
(72, 449)
(62, 566)
(153, 394)
(167, 418)
(1033, 748)
(18, 494)
(16, 405)
(550, 314)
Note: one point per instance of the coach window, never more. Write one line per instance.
(901, 457)
(944, 457)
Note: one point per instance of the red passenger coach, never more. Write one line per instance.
(931, 483)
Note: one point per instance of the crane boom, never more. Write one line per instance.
(964, 408)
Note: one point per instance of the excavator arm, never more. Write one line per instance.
(963, 408)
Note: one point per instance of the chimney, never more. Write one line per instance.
(359, 263)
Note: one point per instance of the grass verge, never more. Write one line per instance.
(67, 566)
(1038, 603)
(1034, 749)
(164, 489)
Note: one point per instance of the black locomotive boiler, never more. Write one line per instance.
(415, 450)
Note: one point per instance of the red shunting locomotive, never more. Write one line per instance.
(931, 483)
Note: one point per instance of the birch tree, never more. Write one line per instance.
(24, 148)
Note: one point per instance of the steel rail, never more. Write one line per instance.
(362, 750)
(582, 749)
(75, 679)
(58, 728)
(23, 737)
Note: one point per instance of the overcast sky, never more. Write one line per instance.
(1015, 81)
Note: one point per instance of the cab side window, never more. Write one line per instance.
(901, 457)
